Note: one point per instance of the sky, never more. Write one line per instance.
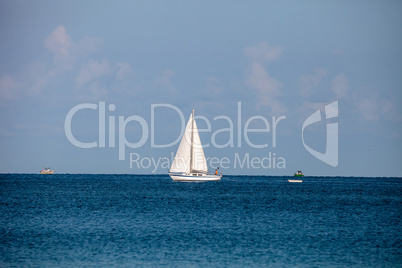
(107, 86)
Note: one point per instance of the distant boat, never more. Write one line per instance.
(297, 174)
(189, 163)
(290, 180)
(46, 171)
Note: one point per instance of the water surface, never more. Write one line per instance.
(137, 220)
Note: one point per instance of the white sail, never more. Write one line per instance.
(189, 163)
(181, 162)
(199, 162)
(190, 154)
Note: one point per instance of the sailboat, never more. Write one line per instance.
(189, 163)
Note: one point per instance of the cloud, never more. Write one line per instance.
(87, 46)
(213, 86)
(164, 82)
(373, 109)
(338, 51)
(67, 52)
(95, 78)
(309, 82)
(260, 80)
(35, 77)
(30, 81)
(340, 86)
(59, 42)
(124, 81)
(8, 87)
(313, 84)
(91, 71)
(263, 52)
(124, 71)
(92, 79)
(266, 88)
(164, 79)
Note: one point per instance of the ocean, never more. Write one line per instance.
(81, 220)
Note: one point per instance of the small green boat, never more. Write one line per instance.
(299, 174)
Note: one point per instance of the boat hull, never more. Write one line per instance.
(47, 172)
(295, 180)
(195, 177)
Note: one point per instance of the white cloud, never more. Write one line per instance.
(164, 82)
(91, 82)
(263, 52)
(213, 86)
(94, 91)
(309, 82)
(124, 71)
(8, 87)
(67, 52)
(368, 109)
(265, 87)
(36, 78)
(164, 79)
(59, 42)
(87, 46)
(306, 108)
(94, 78)
(373, 109)
(125, 83)
(338, 51)
(91, 71)
(340, 86)
(386, 106)
(259, 79)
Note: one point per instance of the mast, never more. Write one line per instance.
(192, 142)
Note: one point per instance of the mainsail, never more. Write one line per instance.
(190, 156)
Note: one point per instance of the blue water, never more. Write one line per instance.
(132, 220)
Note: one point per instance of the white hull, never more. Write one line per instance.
(295, 180)
(195, 177)
(47, 172)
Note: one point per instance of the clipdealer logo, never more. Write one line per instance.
(330, 156)
(237, 129)
(115, 126)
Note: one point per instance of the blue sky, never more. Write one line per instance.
(275, 58)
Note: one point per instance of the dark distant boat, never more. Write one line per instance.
(46, 171)
(297, 174)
